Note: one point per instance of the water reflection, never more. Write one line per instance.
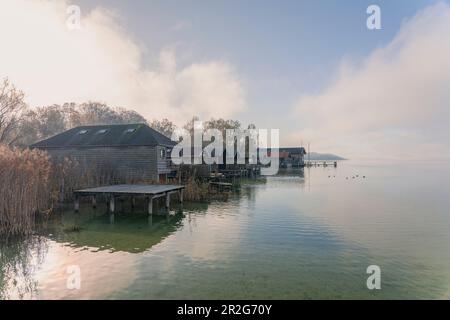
(19, 259)
(123, 231)
(292, 172)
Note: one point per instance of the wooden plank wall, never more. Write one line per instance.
(133, 161)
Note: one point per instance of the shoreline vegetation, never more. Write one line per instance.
(25, 186)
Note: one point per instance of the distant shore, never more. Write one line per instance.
(314, 156)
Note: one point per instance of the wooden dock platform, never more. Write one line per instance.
(221, 185)
(318, 163)
(113, 192)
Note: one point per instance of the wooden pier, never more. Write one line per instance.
(318, 163)
(112, 193)
(221, 186)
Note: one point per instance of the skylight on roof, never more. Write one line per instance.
(130, 130)
(103, 131)
(83, 132)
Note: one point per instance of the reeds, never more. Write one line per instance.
(70, 174)
(195, 190)
(24, 188)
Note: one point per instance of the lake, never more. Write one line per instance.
(299, 235)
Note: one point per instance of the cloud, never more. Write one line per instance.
(102, 62)
(395, 103)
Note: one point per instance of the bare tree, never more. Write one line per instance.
(222, 124)
(165, 126)
(130, 116)
(43, 122)
(189, 125)
(12, 106)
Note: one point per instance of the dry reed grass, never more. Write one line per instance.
(195, 190)
(69, 175)
(24, 188)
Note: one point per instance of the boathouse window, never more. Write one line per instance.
(83, 132)
(162, 153)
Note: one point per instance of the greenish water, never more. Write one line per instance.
(298, 235)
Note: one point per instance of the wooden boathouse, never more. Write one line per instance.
(133, 152)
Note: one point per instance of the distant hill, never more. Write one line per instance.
(323, 156)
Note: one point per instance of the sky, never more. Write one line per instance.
(310, 68)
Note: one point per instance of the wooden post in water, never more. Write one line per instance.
(77, 203)
(150, 220)
(167, 200)
(112, 203)
(150, 205)
(181, 195)
(94, 202)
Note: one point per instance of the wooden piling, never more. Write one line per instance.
(112, 204)
(150, 205)
(77, 204)
(167, 200)
(181, 195)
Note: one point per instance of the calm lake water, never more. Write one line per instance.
(299, 235)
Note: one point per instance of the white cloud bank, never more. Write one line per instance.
(101, 62)
(395, 104)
